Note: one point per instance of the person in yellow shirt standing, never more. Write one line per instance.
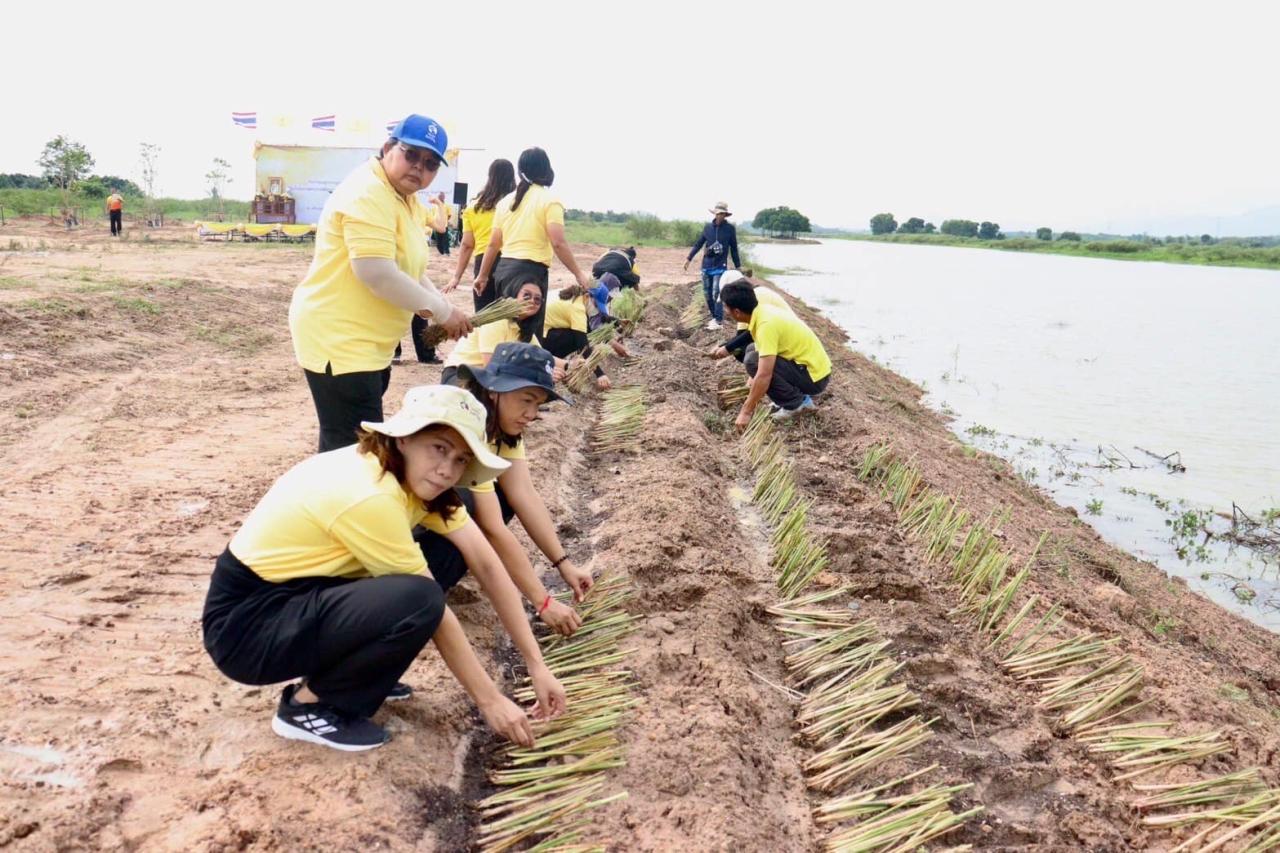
(331, 581)
(528, 229)
(115, 212)
(477, 225)
(366, 281)
(785, 360)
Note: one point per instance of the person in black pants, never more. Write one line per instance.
(331, 579)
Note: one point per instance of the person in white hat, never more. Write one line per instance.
(718, 244)
(328, 582)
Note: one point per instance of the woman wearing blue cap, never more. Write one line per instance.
(367, 280)
(517, 380)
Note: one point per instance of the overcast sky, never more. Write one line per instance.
(1066, 114)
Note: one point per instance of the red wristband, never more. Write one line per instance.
(546, 602)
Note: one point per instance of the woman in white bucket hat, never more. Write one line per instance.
(327, 582)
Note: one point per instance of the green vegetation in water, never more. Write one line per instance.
(1227, 252)
(1094, 507)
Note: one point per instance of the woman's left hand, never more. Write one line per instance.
(603, 383)
(579, 580)
(550, 693)
(561, 618)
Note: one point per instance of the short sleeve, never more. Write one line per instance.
(505, 451)
(376, 532)
(468, 223)
(437, 523)
(765, 337)
(369, 229)
(500, 212)
(554, 213)
(492, 334)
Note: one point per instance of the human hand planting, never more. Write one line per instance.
(505, 717)
(579, 580)
(561, 618)
(550, 693)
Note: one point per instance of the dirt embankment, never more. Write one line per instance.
(150, 396)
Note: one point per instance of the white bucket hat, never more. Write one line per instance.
(425, 405)
(732, 277)
(721, 207)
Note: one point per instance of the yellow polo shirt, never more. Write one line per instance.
(337, 514)
(477, 347)
(785, 335)
(334, 318)
(565, 314)
(524, 232)
(771, 297)
(506, 452)
(480, 224)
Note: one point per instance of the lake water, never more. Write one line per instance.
(1071, 368)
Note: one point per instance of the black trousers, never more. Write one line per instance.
(790, 382)
(351, 639)
(117, 222)
(343, 401)
(480, 300)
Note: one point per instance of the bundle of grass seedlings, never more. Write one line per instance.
(627, 305)
(621, 421)
(583, 371)
(733, 390)
(498, 310)
(695, 313)
(1082, 677)
(602, 334)
(851, 713)
(551, 786)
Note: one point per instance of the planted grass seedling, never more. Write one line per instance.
(695, 313)
(621, 420)
(627, 306)
(549, 786)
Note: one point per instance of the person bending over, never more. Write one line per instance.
(338, 578)
(785, 359)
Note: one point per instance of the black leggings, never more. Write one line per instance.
(351, 639)
(343, 401)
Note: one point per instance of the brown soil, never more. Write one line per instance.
(149, 396)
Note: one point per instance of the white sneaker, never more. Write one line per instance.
(806, 405)
(712, 324)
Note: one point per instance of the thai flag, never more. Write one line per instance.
(249, 120)
(328, 123)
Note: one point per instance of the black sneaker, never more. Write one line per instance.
(400, 692)
(319, 723)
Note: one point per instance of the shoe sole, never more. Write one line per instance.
(289, 732)
(398, 698)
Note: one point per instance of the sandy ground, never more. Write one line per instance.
(149, 396)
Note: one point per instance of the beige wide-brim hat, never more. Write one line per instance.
(721, 207)
(425, 405)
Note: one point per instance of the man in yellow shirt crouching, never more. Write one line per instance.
(785, 360)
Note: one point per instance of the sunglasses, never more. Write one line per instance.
(420, 157)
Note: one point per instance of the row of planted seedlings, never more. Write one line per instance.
(1084, 679)
(851, 713)
(549, 789)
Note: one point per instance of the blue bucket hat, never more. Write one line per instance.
(422, 132)
(516, 365)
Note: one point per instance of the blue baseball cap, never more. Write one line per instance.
(422, 132)
(516, 365)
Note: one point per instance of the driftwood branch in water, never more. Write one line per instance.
(1175, 466)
